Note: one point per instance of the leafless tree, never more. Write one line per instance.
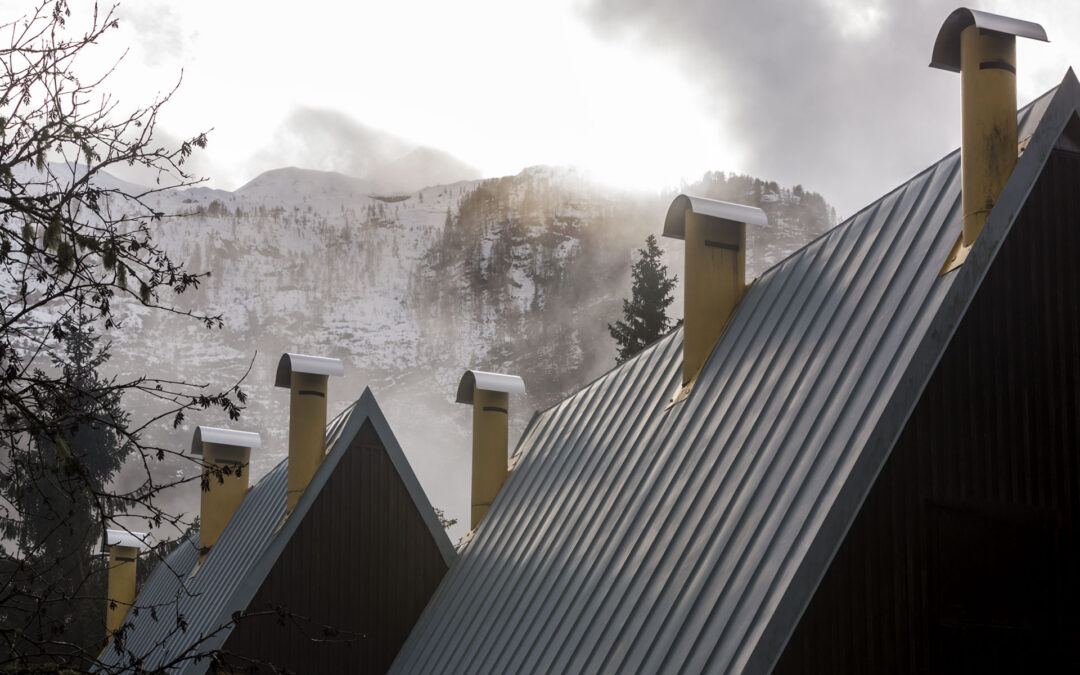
(75, 245)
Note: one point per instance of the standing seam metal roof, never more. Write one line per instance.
(178, 616)
(632, 538)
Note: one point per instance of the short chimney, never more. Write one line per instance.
(305, 377)
(124, 550)
(226, 455)
(489, 395)
(982, 48)
(714, 280)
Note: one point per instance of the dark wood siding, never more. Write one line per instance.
(353, 579)
(964, 557)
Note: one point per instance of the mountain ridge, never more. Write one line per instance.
(517, 274)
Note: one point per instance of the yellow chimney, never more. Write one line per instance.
(305, 377)
(124, 550)
(714, 280)
(226, 454)
(982, 48)
(489, 395)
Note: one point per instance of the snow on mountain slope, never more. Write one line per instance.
(518, 274)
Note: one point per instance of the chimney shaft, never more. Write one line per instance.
(988, 105)
(123, 553)
(982, 48)
(714, 279)
(226, 455)
(306, 378)
(489, 395)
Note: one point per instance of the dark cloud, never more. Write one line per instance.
(814, 95)
(329, 140)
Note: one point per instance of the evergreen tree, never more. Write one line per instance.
(63, 496)
(645, 316)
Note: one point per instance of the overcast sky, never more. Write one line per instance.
(833, 94)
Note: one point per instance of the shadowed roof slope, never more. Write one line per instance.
(631, 538)
(176, 617)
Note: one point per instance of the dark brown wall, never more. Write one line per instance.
(362, 562)
(964, 557)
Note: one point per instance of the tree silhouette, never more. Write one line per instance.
(645, 314)
(75, 244)
(62, 486)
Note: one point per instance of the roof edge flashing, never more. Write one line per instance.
(218, 436)
(290, 363)
(479, 379)
(946, 55)
(675, 222)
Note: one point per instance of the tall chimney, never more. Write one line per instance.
(714, 280)
(226, 454)
(489, 395)
(124, 550)
(982, 48)
(305, 377)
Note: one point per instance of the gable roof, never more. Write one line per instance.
(634, 538)
(177, 615)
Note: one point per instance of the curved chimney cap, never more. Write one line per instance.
(675, 223)
(478, 379)
(125, 538)
(947, 46)
(302, 363)
(239, 439)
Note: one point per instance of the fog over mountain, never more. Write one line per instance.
(519, 274)
(331, 140)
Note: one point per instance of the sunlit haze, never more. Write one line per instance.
(498, 85)
(636, 96)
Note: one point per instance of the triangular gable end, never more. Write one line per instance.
(363, 487)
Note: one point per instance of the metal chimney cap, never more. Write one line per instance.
(125, 538)
(675, 223)
(302, 363)
(478, 379)
(239, 439)
(947, 46)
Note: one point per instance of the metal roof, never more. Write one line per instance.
(178, 615)
(632, 538)
(217, 436)
(302, 363)
(946, 54)
(675, 222)
(511, 384)
(125, 538)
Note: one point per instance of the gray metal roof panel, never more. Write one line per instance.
(946, 54)
(631, 537)
(244, 555)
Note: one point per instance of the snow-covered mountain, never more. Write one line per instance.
(518, 274)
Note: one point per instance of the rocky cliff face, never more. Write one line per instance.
(519, 274)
